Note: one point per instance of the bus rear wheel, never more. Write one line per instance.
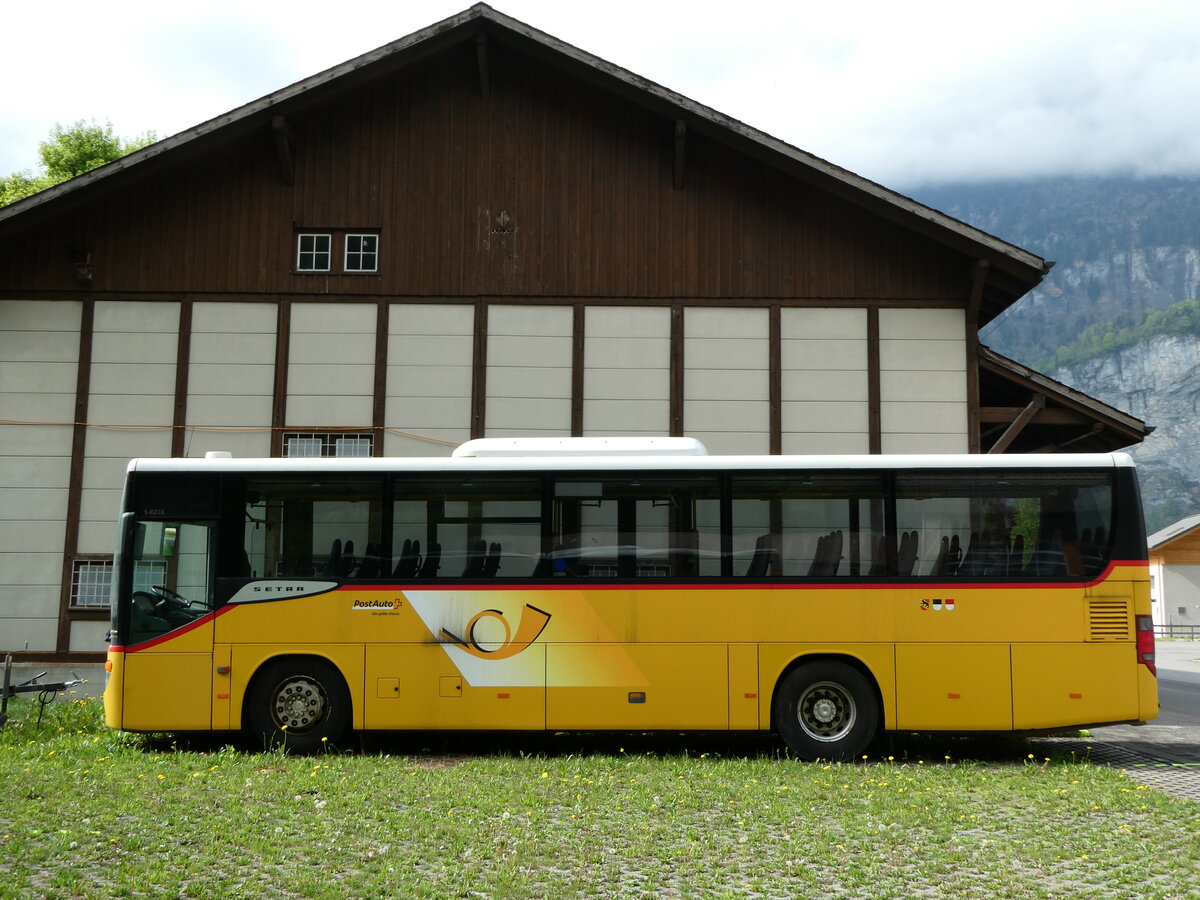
(826, 710)
(302, 705)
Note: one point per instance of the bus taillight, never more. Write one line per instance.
(1145, 643)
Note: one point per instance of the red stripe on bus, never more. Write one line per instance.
(179, 632)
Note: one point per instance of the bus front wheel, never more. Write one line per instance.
(302, 705)
(826, 710)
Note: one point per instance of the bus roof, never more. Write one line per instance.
(625, 461)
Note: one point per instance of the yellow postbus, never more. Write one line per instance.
(633, 585)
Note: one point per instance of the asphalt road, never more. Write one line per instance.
(1178, 697)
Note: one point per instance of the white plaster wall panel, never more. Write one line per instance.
(434, 382)
(434, 414)
(20, 407)
(517, 381)
(88, 636)
(924, 443)
(332, 411)
(331, 364)
(830, 443)
(727, 416)
(946, 387)
(242, 444)
(36, 471)
(823, 380)
(226, 349)
(399, 445)
(18, 442)
(726, 356)
(627, 384)
(928, 355)
(37, 377)
(528, 416)
(923, 364)
(39, 633)
(39, 344)
(627, 376)
(815, 386)
(530, 321)
(627, 418)
(437, 350)
(31, 537)
(921, 418)
(131, 406)
(31, 589)
(105, 471)
(827, 417)
(534, 352)
(132, 377)
(231, 378)
(429, 378)
(34, 503)
(100, 505)
(36, 568)
(922, 324)
(221, 410)
(41, 317)
(130, 410)
(726, 384)
(98, 537)
(529, 370)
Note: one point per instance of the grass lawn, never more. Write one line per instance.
(85, 812)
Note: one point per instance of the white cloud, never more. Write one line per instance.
(900, 92)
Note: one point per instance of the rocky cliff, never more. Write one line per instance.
(1157, 380)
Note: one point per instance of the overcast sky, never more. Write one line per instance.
(901, 92)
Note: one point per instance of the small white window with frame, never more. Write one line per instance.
(313, 252)
(328, 444)
(91, 581)
(362, 253)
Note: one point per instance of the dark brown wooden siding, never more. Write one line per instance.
(546, 187)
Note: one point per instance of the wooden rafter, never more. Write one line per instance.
(1036, 405)
(481, 61)
(680, 152)
(285, 140)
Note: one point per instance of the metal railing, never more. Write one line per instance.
(1187, 632)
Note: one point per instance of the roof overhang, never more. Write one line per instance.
(1023, 411)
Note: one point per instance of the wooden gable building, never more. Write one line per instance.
(477, 230)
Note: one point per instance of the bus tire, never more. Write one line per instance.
(826, 710)
(301, 704)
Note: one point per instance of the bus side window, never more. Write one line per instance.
(328, 528)
(819, 525)
(636, 526)
(473, 527)
(1016, 523)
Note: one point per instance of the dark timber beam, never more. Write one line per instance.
(874, 384)
(83, 380)
(183, 358)
(979, 274)
(1046, 416)
(285, 138)
(1036, 405)
(680, 152)
(481, 60)
(1055, 448)
(974, 303)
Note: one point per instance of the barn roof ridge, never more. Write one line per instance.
(1026, 267)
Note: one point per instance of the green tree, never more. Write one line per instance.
(71, 151)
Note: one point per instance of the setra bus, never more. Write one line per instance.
(633, 585)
